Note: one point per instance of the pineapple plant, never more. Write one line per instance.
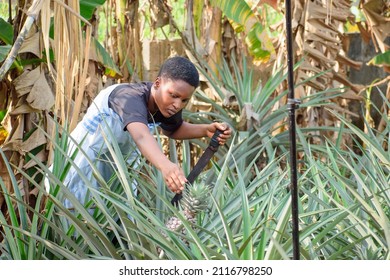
(194, 201)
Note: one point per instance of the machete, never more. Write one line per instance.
(202, 162)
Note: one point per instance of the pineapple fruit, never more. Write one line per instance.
(195, 200)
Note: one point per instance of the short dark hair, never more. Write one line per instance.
(180, 68)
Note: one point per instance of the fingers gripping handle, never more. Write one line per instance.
(214, 140)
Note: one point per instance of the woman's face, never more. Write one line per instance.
(171, 96)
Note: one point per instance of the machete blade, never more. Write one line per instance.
(201, 164)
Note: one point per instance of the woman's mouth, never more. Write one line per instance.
(171, 112)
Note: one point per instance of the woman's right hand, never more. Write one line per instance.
(174, 177)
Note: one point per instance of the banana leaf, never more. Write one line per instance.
(7, 32)
(258, 41)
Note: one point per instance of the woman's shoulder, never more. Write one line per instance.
(132, 89)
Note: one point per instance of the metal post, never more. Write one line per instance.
(292, 105)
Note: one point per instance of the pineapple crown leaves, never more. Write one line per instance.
(195, 197)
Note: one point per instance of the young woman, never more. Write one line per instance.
(128, 111)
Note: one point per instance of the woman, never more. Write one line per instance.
(128, 111)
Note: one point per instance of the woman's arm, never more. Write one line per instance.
(173, 175)
(190, 131)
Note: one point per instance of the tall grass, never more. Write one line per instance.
(344, 200)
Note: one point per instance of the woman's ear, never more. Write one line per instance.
(157, 82)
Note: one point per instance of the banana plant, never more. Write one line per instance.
(259, 44)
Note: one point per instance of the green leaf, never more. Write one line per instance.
(87, 7)
(260, 45)
(4, 50)
(239, 11)
(105, 59)
(7, 32)
(382, 59)
(258, 41)
(2, 114)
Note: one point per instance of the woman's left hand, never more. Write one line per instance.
(223, 137)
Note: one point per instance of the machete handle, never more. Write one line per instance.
(214, 147)
(175, 200)
(214, 140)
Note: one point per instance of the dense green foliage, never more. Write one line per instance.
(344, 197)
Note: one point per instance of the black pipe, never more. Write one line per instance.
(292, 105)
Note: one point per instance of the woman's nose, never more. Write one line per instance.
(177, 104)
